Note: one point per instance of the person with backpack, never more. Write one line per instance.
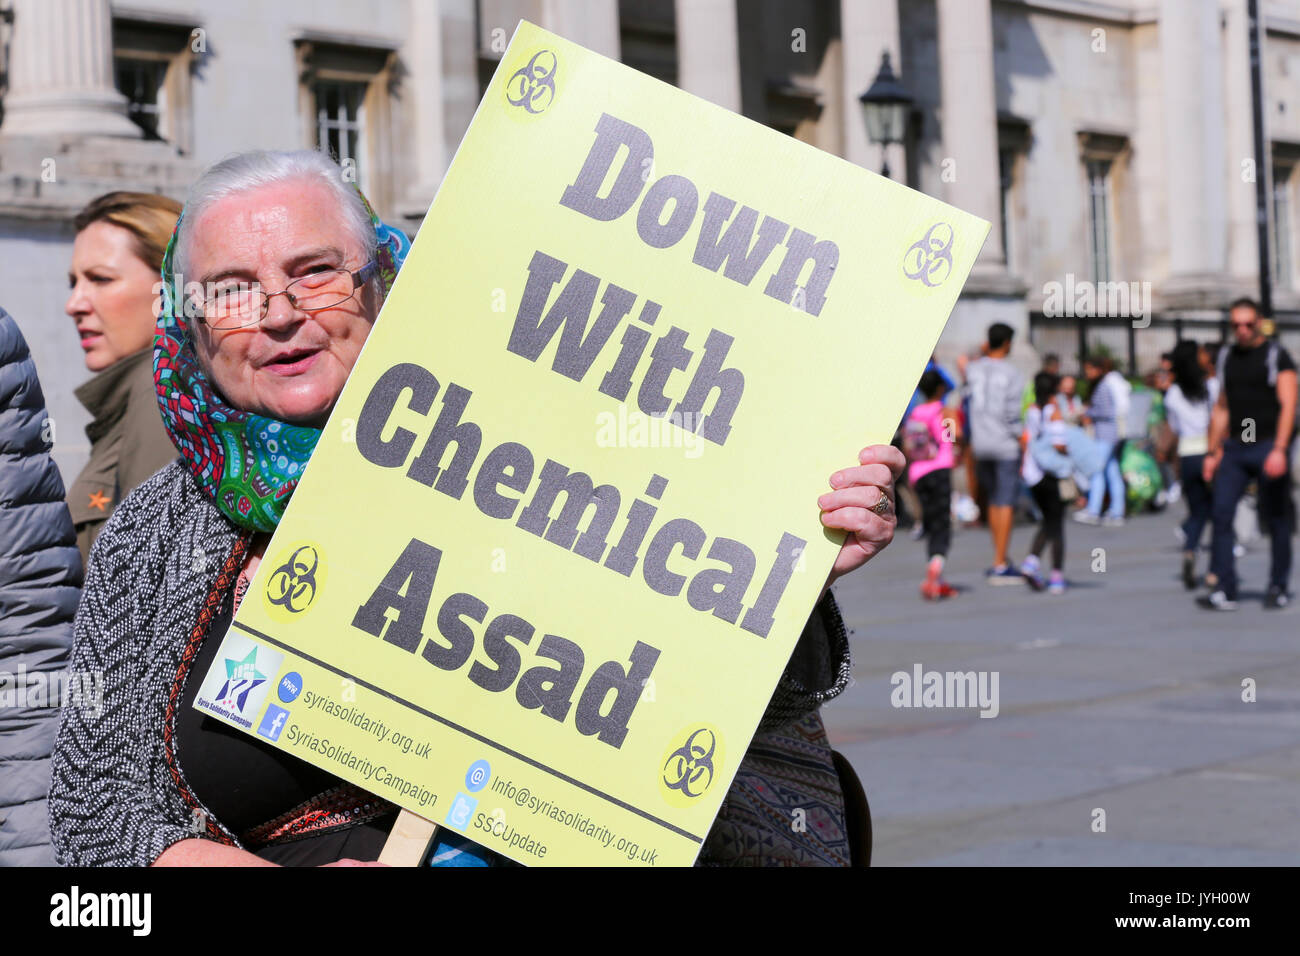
(929, 434)
(906, 504)
(1250, 436)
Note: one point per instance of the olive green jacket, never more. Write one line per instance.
(128, 442)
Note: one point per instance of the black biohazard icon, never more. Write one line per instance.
(293, 585)
(929, 259)
(689, 768)
(533, 85)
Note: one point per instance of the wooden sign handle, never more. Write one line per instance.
(409, 840)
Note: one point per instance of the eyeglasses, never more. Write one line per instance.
(239, 306)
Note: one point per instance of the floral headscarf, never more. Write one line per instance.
(248, 464)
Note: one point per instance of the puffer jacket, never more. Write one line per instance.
(40, 583)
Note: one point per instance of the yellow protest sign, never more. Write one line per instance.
(560, 535)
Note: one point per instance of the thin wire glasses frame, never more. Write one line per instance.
(241, 306)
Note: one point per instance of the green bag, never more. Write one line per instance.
(1141, 477)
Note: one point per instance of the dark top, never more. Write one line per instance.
(245, 782)
(1249, 394)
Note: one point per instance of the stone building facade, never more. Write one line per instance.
(1109, 142)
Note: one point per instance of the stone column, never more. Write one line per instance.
(424, 46)
(592, 23)
(61, 71)
(1243, 240)
(1192, 73)
(969, 120)
(868, 28)
(708, 55)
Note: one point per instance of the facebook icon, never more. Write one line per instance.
(273, 722)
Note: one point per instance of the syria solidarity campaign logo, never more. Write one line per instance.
(241, 678)
(237, 684)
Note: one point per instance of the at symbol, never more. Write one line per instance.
(533, 85)
(294, 583)
(930, 257)
(689, 763)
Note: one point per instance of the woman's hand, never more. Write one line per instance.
(355, 863)
(850, 507)
(196, 852)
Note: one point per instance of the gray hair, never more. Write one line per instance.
(251, 170)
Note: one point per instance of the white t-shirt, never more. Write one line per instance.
(1122, 393)
(1191, 420)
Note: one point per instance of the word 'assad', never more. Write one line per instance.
(510, 466)
(714, 246)
(397, 609)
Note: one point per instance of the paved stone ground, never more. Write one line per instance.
(1119, 695)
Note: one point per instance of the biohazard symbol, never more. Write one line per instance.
(533, 85)
(692, 763)
(293, 584)
(929, 259)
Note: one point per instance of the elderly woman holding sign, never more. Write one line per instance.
(291, 266)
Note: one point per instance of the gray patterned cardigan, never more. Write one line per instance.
(116, 794)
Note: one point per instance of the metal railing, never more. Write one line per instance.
(1138, 348)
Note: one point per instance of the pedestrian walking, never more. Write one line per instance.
(1108, 413)
(1043, 420)
(994, 386)
(929, 435)
(1188, 403)
(1251, 431)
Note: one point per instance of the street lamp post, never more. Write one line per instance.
(884, 106)
(1261, 177)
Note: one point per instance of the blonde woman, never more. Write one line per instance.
(116, 258)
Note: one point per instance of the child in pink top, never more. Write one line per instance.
(928, 437)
